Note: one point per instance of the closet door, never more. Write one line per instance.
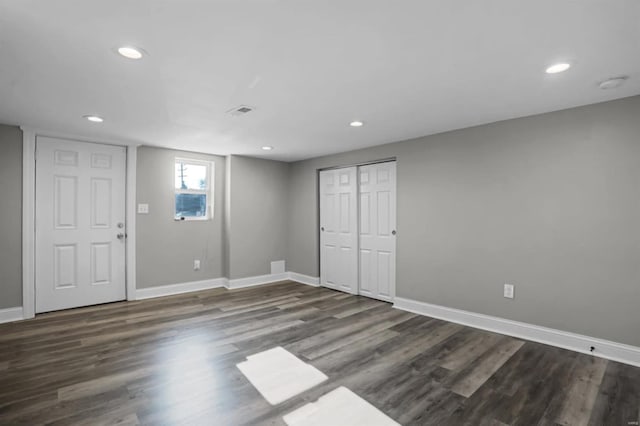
(339, 229)
(377, 231)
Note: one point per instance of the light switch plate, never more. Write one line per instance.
(508, 291)
(143, 208)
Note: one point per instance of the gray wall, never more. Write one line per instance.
(550, 203)
(257, 215)
(166, 248)
(11, 214)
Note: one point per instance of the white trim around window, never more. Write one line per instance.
(207, 191)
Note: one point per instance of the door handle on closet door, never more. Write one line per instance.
(322, 229)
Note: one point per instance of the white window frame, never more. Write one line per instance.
(208, 191)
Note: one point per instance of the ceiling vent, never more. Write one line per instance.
(612, 83)
(240, 110)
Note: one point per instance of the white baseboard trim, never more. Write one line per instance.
(16, 314)
(304, 279)
(11, 314)
(171, 289)
(258, 280)
(614, 351)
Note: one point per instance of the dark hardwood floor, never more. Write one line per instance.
(171, 361)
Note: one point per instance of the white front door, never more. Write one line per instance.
(80, 224)
(339, 229)
(378, 230)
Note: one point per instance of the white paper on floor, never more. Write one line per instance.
(278, 374)
(340, 407)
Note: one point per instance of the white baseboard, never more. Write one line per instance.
(172, 289)
(304, 279)
(11, 314)
(168, 290)
(258, 280)
(620, 352)
(16, 314)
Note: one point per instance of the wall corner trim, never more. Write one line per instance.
(613, 351)
(130, 220)
(11, 314)
(28, 222)
(172, 289)
(304, 279)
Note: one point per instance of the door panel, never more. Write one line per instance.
(377, 243)
(384, 274)
(66, 265)
(101, 203)
(66, 201)
(80, 200)
(101, 263)
(339, 229)
(383, 213)
(365, 272)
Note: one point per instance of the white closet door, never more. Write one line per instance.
(339, 229)
(80, 214)
(377, 231)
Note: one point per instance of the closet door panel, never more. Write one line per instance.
(377, 248)
(339, 229)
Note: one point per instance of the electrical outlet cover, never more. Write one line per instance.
(509, 291)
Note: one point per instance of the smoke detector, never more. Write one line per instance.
(240, 110)
(612, 83)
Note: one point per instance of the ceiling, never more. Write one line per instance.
(406, 68)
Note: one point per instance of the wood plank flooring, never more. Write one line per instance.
(171, 361)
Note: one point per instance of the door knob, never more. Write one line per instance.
(121, 236)
(322, 229)
(393, 232)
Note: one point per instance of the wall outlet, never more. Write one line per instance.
(143, 208)
(508, 291)
(196, 265)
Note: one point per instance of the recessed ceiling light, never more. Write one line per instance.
(130, 52)
(612, 83)
(556, 68)
(267, 148)
(356, 124)
(94, 118)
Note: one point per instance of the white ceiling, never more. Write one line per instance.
(406, 68)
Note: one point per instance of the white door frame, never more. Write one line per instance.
(29, 136)
(357, 165)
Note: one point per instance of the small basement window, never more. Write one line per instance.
(193, 189)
